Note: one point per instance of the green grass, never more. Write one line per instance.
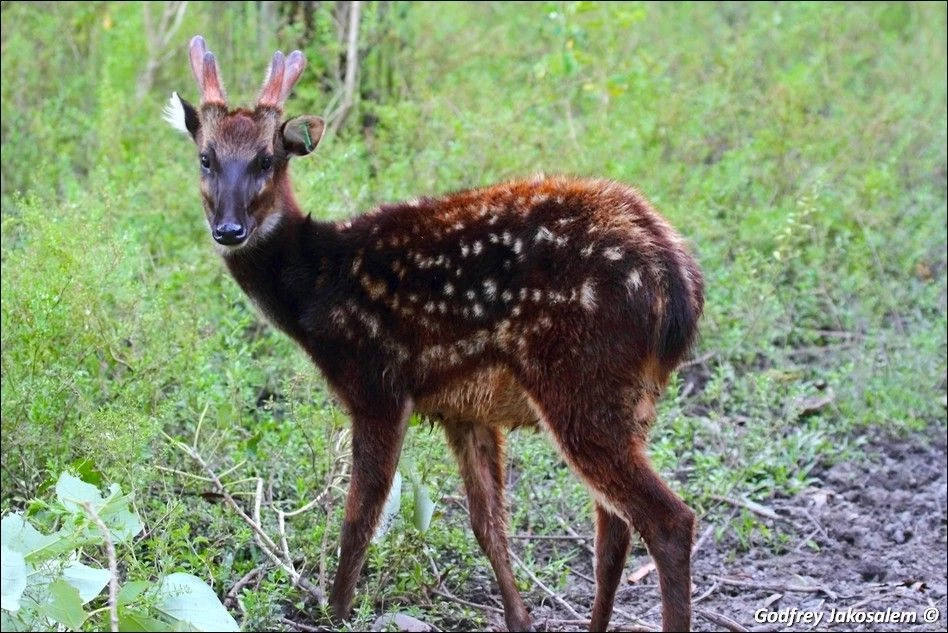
(799, 147)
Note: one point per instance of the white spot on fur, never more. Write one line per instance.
(587, 251)
(478, 247)
(612, 252)
(587, 296)
(174, 114)
(490, 288)
(464, 249)
(478, 310)
(507, 296)
(634, 281)
(338, 317)
(448, 288)
(374, 288)
(543, 233)
(518, 246)
(469, 294)
(370, 322)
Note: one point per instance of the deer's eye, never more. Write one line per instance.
(205, 161)
(266, 162)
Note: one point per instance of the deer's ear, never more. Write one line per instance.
(182, 116)
(302, 134)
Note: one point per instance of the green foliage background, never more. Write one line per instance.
(800, 147)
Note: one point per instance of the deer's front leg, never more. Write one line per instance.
(376, 444)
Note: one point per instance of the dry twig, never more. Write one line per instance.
(787, 588)
(722, 620)
(113, 565)
(246, 579)
(263, 540)
(753, 506)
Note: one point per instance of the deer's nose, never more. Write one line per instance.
(229, 233)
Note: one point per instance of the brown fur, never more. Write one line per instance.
(557, 302)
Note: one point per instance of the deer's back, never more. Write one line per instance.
(525, 276)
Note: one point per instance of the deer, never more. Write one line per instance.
(556, 302)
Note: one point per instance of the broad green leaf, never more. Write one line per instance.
(12, 578)
(131, 590)
(88, 581)
(72, 492)
(123, 524)
(134, 621)
(424, 507)
(87, 472)
(19, 535)
(10, 622)
(188, 599)
(114, 510)
(390, 510)
(65, 605)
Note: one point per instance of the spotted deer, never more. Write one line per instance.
(559, 302)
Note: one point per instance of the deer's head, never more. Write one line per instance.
(242, 153)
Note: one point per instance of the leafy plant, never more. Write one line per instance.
(44, 582)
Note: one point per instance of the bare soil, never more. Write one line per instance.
(868, 541)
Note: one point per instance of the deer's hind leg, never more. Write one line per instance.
(612, 548)
(604, 442)
(480, 453)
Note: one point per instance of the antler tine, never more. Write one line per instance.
(204, 67)
(196, 50)
(295, 64)
(283, 74)
(272, 85)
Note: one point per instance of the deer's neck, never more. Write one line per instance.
(288, 273)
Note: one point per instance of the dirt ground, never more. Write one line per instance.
(880, 532)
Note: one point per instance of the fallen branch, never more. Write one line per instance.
(246, 579)
(263, 540)
(585, 540)
(753, 506)
(640, 573)
(299, 626)
(447, 595)
(551, 537)
(776, 587)
(516, 559)
(642, 625)
(707, 593)
(722, 620)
